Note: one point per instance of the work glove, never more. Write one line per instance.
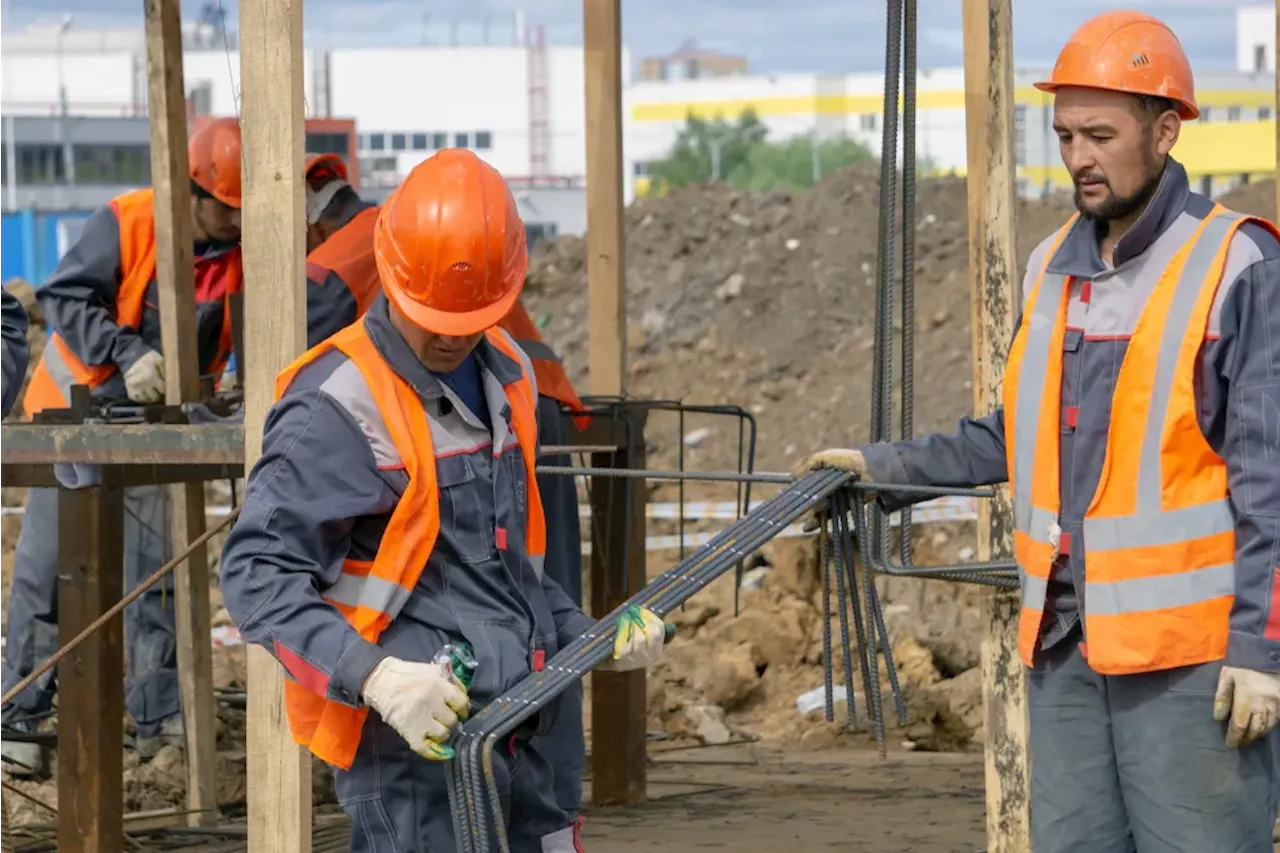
(1251, 699)
(842, 459)
(421, 701)
(144, 380)
(639, 640)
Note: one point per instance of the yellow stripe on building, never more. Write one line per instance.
(792, 105)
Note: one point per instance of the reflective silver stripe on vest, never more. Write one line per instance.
(372, 592)
(1031, 389)
(1161, 591)
(539, 564)
(1151, 525)
(538, 349)
(523, 354)
(1034, 590)
(58, 370)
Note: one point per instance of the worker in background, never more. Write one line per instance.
(342, 278)
(104, 319)
(16, 352)
(565, 743)
(395, 511)
(1138, 432)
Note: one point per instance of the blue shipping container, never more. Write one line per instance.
(33, 241)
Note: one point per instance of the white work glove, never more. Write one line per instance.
(841, 459)
(421, 701)
(1252, 701)
(144, 380)
(639, 640)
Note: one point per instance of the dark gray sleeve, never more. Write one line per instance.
(315, 476)
(16, 353)
(79, 299)
(331, 306)
(1246, 363)
(973, 455)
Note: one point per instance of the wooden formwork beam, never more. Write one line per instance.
(274, 245)
(167, 109)
(617, 699)
(995, 296)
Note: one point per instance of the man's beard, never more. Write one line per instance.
(1115, 207)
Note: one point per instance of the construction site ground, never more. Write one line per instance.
(766, 301)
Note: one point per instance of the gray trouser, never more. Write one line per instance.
(398, 801)
(1136, 763)
(564, 744)
(31, 634)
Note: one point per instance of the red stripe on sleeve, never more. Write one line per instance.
(303, 673)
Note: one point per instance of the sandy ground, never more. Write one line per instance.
(748, 798)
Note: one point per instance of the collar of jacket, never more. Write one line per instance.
(1078, 254)
(393, 347)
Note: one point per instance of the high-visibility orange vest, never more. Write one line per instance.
(349, 253)
(547, 367)
(60, 368)
(1159, 534)
(370, 594)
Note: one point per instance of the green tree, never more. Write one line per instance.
(740, 153)
(708, 149)
(796, 162)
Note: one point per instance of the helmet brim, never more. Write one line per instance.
(447, 322)
(1186, 111)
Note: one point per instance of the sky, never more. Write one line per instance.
(776, 36)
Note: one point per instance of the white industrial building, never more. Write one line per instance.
(520, 106)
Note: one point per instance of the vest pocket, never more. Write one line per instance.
(463, 521)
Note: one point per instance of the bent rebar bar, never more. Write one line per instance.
(473, 789)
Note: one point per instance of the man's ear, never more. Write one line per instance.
(1167, 128)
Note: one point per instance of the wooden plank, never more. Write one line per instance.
(122, 444)
(606, 275)
(167, 109)
(91, 678)
(618, 572)
(995, 296)
(275, 334)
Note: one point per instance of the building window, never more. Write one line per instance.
(462, 140)
(377, 142)
(1264, 113)
(867, 122)
(1019, 135)
(1206, 113)
(40, 164)
(1233, 113)
(112, 164)
(398, 142)
(439, 140)
(1206, 185)
(536, 232)
(640, 168)
(420, 142)
(484, 140)
(329, 143)
(1259, 57)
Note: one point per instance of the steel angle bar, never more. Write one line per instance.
(473, 787)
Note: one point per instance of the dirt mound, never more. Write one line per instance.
(767, 300)
(1257, 199)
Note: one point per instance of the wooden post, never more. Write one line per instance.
(91, 678)
(167, 108)
(275, 334)
(995, 296)
(606, 276)
(617, 699)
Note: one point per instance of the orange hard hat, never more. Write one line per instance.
(214, 159)
(450, 246)
(325, 166)
(1127, 52)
